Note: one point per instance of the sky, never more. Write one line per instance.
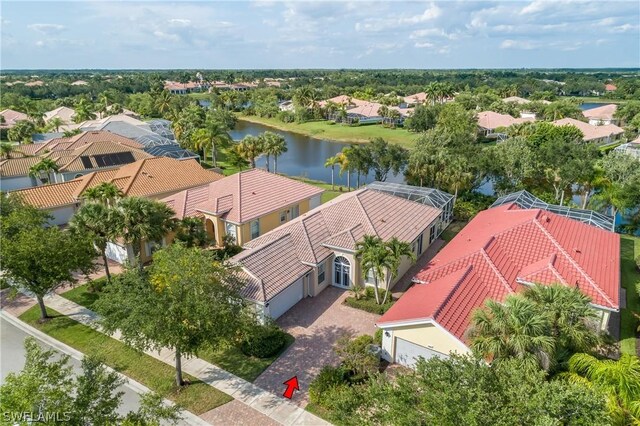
(319, 34)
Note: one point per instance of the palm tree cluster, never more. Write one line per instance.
(381, 259)
(438, 92)
(44, 170)
(250, 147)
(390, 116)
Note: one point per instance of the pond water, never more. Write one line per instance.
(305, 156)
(591, 105)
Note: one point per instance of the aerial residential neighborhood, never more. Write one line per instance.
(316, 213)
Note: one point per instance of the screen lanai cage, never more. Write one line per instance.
(526, 200)
(153, 139)
(162, 128)
(171, 151)
(427, 196)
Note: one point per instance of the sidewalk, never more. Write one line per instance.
(252, 397)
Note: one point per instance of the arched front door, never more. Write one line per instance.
(211, 231)
(341, 270)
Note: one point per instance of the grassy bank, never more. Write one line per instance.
(338, 132)
(630, 249)
(198, 397)
(328, 194)
(594, 99)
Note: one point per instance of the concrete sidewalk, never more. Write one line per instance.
(274, 407)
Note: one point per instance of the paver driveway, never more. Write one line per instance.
(316, 323)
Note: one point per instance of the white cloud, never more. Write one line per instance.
(47, 29)
(534, 7)
(518, 44)
(424, 45)
(180, 22)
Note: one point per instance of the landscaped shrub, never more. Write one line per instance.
(264, 341)
(329, 378)
(377, 337)
(367, 301)
(96, 286)
(358, 357)
(638, 263)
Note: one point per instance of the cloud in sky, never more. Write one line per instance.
(321, 34)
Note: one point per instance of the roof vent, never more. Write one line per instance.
(577, 250)
(383, 221)
(545, 218)
(253, 193)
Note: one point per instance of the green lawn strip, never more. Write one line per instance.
(630, 249)
(339, 132)
(452, 230)
(328, 194)
(82, 296)
(234, 361)
(198, 397)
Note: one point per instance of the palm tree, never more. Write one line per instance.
(619, 380)
(141, 220)
(43, 170)
(343, 161)
(383, 112)
(397, 251)
(513, 329)
(432, 92)
(332, 162)
(373, 258)
(213, 136)
(191, 231)
(55, 123)
(100, 223)
(251, 147)
(83, 111)
(235, 157)
(105, 193)
(6, 149)
(163, 102)
(276, 145)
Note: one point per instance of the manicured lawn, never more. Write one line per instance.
(594, 99)
(328, 193)
(230, 359)
(234, 361)
(630, 249)
(339, 132)
(452, 230)
(198, 397)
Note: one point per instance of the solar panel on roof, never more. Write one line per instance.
(86, 162)
(114, 159)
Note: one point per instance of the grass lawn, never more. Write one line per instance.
(452, 230)
(593, 99)
(319, 411)
(630, 249)
(231, 359)
(198, 397)
(339, 132)
(234, 361)
(328, 193)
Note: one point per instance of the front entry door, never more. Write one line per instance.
(342, 268)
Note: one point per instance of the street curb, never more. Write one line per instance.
(138, 387)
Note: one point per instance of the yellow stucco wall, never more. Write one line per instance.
(429, 336)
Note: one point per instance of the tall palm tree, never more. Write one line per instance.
(513, 329)
(219, 138)
(6, 149)
(332, 162)
(43, 170)
(83, 111)
(143, 220)
(274, 145)
(343, 161)
(251, 148)
(397, 251)
(619, 380)
(374, 259)
(101, 224)
(236, 158)
(55, 123)
(163, 102)
(105, 193)
(432, 92)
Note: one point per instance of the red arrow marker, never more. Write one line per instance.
(292, 384)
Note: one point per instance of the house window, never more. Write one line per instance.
(283, 216)
(432, 233)
(321, 272)
(371, 279)
(255, 229)
(341, 267)
(231, 230)
(295, 211)
(419, 242)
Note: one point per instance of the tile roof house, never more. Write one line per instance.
(489, 121)
(601, 115)
(245, 205)
(598, 134)
(610, 87)
(10, 117)
(155, 178)
(317, 249)
(73, 142)
(415, 99)
(500, 252)
(517, 100)
(72, 162)
(65, 114)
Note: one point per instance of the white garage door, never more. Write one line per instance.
(285, 300)
(407, 353)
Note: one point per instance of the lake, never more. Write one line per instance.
(591, 105)
(305, 156)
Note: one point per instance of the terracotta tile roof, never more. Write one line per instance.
(589, 131)
(66, 114)
(17, 166)
(517, 100)
(11, 117)
(244, 196)
(77, 141)
(416, 98)
(339, 223)
(144, 178)
(604, 112)
(74, 162)
(500, 250)
(610, 87)
(492, 120)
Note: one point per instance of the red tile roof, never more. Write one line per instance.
(243, 196)
(500, 250)
(604, 112)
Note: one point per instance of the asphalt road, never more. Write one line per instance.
(12, 358)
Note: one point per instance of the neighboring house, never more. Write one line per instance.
(631, 148)
(502, 251)
(597, 134)
(36, 83)
(65, 114)
(72, 163)
(601, 115)
(415, 99)
(317, 249)
(79, 83)
(154, 178)
(183, 88)
(610, 88)
(489, 121)
(286, 106)
(73, 142)
(11, 117)
(516, 99)
(245, 205)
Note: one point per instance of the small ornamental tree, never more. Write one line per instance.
(187, 301)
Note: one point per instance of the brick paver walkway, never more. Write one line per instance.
(316, 323)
